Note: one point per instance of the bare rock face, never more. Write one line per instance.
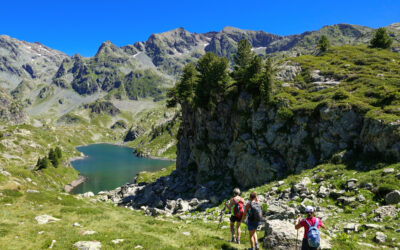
(257, 146)
(21, 60)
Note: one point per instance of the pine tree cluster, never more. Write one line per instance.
(207, 83)
(53, 159)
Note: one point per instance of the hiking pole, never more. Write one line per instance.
(297, 236)
(220, 217)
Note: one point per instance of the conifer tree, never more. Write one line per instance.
(242, 60)
(58, 152)
(381, 39)
(323, 44)
(267, 81)
(185, 87)
(212, 79)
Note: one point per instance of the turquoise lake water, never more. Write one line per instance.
(109, 166)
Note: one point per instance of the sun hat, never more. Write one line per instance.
(309, 209)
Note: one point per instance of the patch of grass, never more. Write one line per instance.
(149, 177)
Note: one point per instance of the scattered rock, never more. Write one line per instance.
(351, 184)
(323, 192)
(392, 197)
(387, 171)
(373, 226)
(88, 232)
(360, 198)
(186, 233)
(88, 245)
(44, 219)
(116, 241)
(351, 227)
(41, 232)
(76, 224)
(3, 172)
(380, 237)
(138, 247)
(32, 191)
(52, 244)
(346, 200)
(88, 194)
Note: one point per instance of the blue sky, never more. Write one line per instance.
(74, 26)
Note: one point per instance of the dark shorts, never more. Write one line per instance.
(235, 219)
(252, 225)
(305, 246)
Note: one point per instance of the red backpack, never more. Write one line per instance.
(238, 208)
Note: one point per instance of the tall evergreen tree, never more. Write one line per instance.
(58, 152)
(242, 60)
(185, 87)
(323, 44)
(53, 158)
(381, 39)
(267, 81)
(212, 80)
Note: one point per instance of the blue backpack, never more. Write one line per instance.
(313, 236)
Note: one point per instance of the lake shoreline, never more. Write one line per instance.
(70, 186)
(82, 179)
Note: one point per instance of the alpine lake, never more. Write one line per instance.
(108, 166)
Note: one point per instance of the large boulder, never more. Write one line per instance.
(392, 197)
(280, 234)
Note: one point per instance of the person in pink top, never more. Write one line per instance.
(311, 219)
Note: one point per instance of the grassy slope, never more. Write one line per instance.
(370, 79)
(337, 175)
(17, 219)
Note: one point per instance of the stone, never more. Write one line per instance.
(52, 244)
(280, 183)
(323, 192)
(346, 200)
(368, 186)
(182, 206)
(360, 198)
(3, 172)
(41, 232)
(380, 237)
(351, 227)
(351, 184)
(280, 234)
(76, 224)
(393, 197)
(336, 193)
(88, 232)
(116, 241)
(387, 171)
(386, 211)
(88, 194)
(44, 219)
(301, 187)
(186, 233)
(32, 191)
(138, 247)
(88, 245)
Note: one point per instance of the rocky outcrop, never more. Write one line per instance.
(257, 146)
(10, 110)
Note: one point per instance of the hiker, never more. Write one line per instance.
(254, 212)
(236, 206)
(311, 239)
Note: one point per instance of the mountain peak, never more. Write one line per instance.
(106, 48)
